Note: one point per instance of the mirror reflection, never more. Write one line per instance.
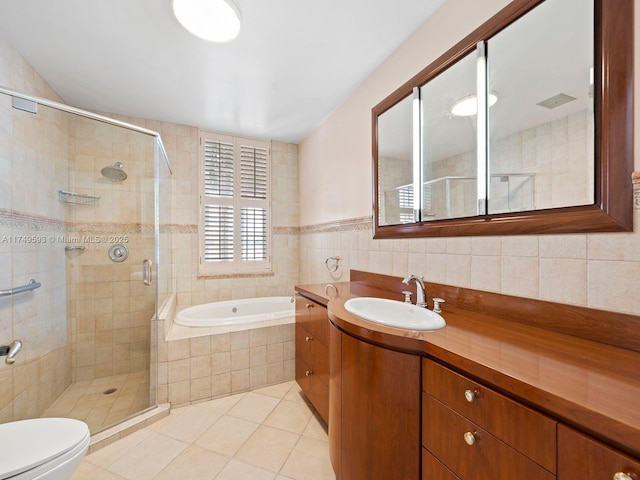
(395, 170)
(449, 153)
(539, 88)
(541, 151)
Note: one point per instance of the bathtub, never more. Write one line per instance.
(238, 313)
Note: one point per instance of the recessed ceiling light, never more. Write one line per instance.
(211, 20)
(467, 106)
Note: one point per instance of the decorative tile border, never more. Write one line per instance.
(350, 224)
(11, 218)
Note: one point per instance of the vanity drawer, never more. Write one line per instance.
(581, 457)
(316, 391)
(314, 353)
(433, 469)
(444, 434)
(313, 317)
(528, 431)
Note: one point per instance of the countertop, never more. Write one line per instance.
(589, 385)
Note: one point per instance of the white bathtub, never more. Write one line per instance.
(238, 313)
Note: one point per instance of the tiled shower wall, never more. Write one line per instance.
(34, 154)
(110, 307)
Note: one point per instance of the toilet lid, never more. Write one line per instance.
(29, 443)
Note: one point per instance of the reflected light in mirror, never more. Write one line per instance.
(211, 20)
(467, 106)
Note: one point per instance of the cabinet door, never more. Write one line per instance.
(380, 412)
(581, 457)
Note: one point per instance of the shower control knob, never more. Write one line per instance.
(118, 253)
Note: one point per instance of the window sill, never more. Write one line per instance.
(222, 276)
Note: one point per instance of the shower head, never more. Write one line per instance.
(114, 173)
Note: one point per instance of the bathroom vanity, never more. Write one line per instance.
(312, 352)
(509, 388)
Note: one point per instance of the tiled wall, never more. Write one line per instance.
(193, 289)
(34, 156)
(598, 270)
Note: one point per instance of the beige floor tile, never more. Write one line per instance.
(253, 407)
(87, 471)
(295, 395)
(188, 424)
(194, 463)
(236, 470)
(268, 448)
(278, 391)
(222, 405)
(109, 454)
(148, 458)
(309, 460)
(227, 435)
(289, 416)
(316, 428)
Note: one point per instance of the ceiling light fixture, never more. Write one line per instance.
(467, 106)
(211, 20)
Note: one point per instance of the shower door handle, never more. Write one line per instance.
(146, 271)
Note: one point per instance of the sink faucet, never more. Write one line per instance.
(421, 294)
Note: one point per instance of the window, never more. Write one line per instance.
(234, 210)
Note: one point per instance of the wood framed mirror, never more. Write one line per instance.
(549, 146)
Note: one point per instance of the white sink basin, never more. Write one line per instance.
(394, 313)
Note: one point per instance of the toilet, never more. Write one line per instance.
(42, 448)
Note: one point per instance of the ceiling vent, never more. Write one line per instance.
(556, 101)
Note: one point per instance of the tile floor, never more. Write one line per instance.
(269, 434)
(87, 401)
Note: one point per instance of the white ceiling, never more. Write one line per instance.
(292, 64)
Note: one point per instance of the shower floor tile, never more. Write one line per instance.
(104, 401)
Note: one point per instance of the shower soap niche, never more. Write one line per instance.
(78, 198)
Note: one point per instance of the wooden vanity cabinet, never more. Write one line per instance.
(472, 432)
(580, 457)
(374, 424)
(312, 353)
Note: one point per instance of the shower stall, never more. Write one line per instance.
(85, 261)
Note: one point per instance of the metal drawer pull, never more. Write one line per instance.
(308, 373)
(309, 305)
(624, 476)
(469, 438)
(471, 395)
(308, 339)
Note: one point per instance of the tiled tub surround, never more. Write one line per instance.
(196, 363)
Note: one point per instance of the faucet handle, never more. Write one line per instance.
(407, 296)
(436, 304)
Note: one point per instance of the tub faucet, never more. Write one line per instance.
(421, 294)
